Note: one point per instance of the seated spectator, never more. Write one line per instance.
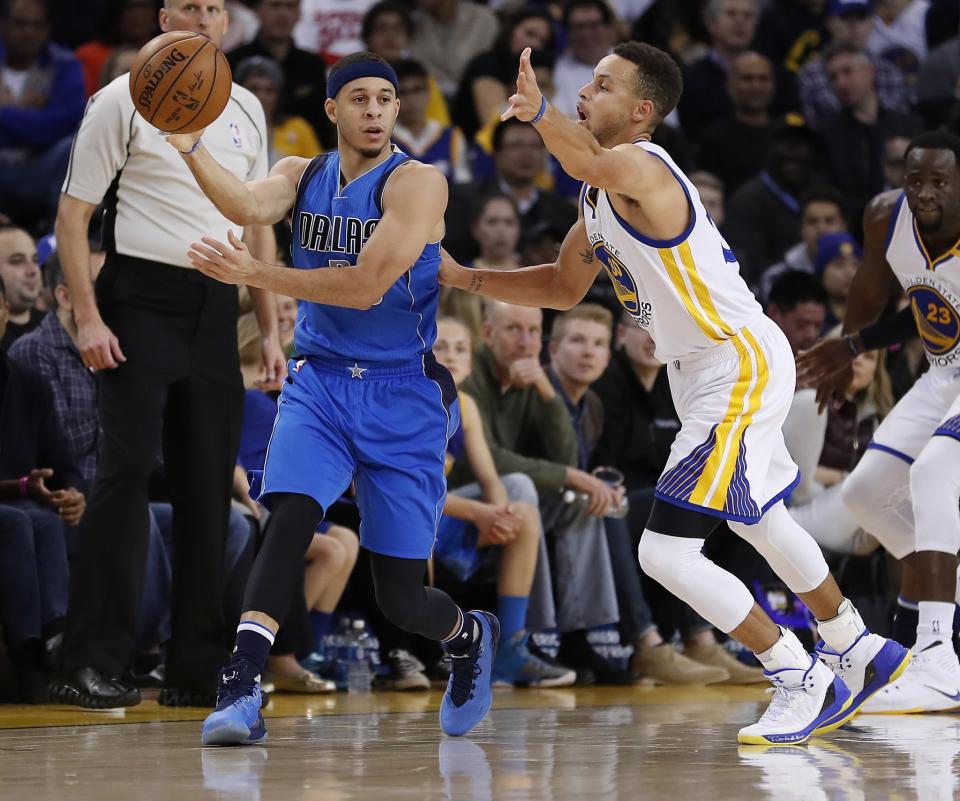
(387, 32)
(519, 157)
(243, 25)
(491, 77)
(731, 25)
(529, 431)
(899, 34)
(33, 547)
(895, 146)
(447, 36)
(125, 24)
(289, 135)
(763, 215)
(850, 23)
(485, 517)
(733, 147)
(287, 309)
(330, 28)
(837, 261)
(304, 86)
(422, 138)
(936, 83)
(821, 212)
(41, 103)
(332, 552)
(591, 35)
(852, 138)
(20, 273)
(790, 33)
(711, 190)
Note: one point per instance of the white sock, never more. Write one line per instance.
(787, 652)
(840, 632)
(935, 624)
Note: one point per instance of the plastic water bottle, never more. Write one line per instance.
(359, 675)
(582, 498)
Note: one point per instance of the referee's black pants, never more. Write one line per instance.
(180, 391)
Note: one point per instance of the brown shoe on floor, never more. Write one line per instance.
(307, 683)
(663, 664)
(717, 656)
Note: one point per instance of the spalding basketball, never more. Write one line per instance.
(180, 82)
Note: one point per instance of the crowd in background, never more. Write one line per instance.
(794, 114)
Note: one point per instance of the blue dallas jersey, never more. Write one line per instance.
(330, 227)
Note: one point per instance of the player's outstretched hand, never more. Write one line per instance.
(827, 366)
(525, 104)
(231, 264)
(184, 142)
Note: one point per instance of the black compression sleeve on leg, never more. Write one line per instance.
(406, 602)
(274, 576)
(675, 521)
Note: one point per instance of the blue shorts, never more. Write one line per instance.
(387, 429)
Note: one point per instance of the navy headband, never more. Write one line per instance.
(361, 69)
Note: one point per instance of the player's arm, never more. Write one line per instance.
(413, 204)
(262, 202)
(560, 285)
(624, 169)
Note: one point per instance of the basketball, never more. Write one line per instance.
(180, 82)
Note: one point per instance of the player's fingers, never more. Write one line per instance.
(510, 112)
(216, 244)
(235, 241)
(207, 252)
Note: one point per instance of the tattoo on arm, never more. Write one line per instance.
(476, 282)
(586, 256)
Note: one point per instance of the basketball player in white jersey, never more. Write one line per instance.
(906, 488)
(731, 375)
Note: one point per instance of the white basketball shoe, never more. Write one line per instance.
(931, 683)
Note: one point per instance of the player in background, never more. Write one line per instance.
(731, 374)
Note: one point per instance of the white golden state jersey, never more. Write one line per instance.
(687, 291)
(932, 285)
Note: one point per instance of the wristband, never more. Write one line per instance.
(851, 341)
(24, 482)
(543, 110)
(193, 149)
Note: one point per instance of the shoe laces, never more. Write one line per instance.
(784, 697)
(463, 676)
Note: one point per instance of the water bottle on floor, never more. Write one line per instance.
(359, 675)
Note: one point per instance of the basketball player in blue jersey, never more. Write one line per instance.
(731, 375)
(365, 401)
(905, 490)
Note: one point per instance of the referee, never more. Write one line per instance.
(163, 338)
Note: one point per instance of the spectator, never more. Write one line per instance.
(330, 28)
(519, 157)
(821, 212)
(591, 36)
(529, 431)
(733, 147)
(837, 261)
(21, 275)
(164, 338)
(125, 24)
(118, 63)
(495, 227)
(711, 190)
(449, 33)
(852, 138)
(500, 516)
(895, 146)
(243, 25)
(850, 23)
(41, 102)
(936, 84)
(899, 34)
(387, 32)
(491, 77)
(731, 25)
(288, 134)
(763, 215)
(33, 567)
(790, 33)
(304, 85)
(422, 138)
(286, 322)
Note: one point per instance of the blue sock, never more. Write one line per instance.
(905, 622)
(320, 625)
(253, 645)
(512, 611)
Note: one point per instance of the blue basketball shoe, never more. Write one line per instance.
(237, 719)
(515, 665)
(469, 693)
(867, 666)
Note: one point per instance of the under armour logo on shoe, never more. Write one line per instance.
(225, 678)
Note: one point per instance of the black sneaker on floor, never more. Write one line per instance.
(581, 657)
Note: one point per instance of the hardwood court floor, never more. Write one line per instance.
(635, 744)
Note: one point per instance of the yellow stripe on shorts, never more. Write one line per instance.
(716, 334)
